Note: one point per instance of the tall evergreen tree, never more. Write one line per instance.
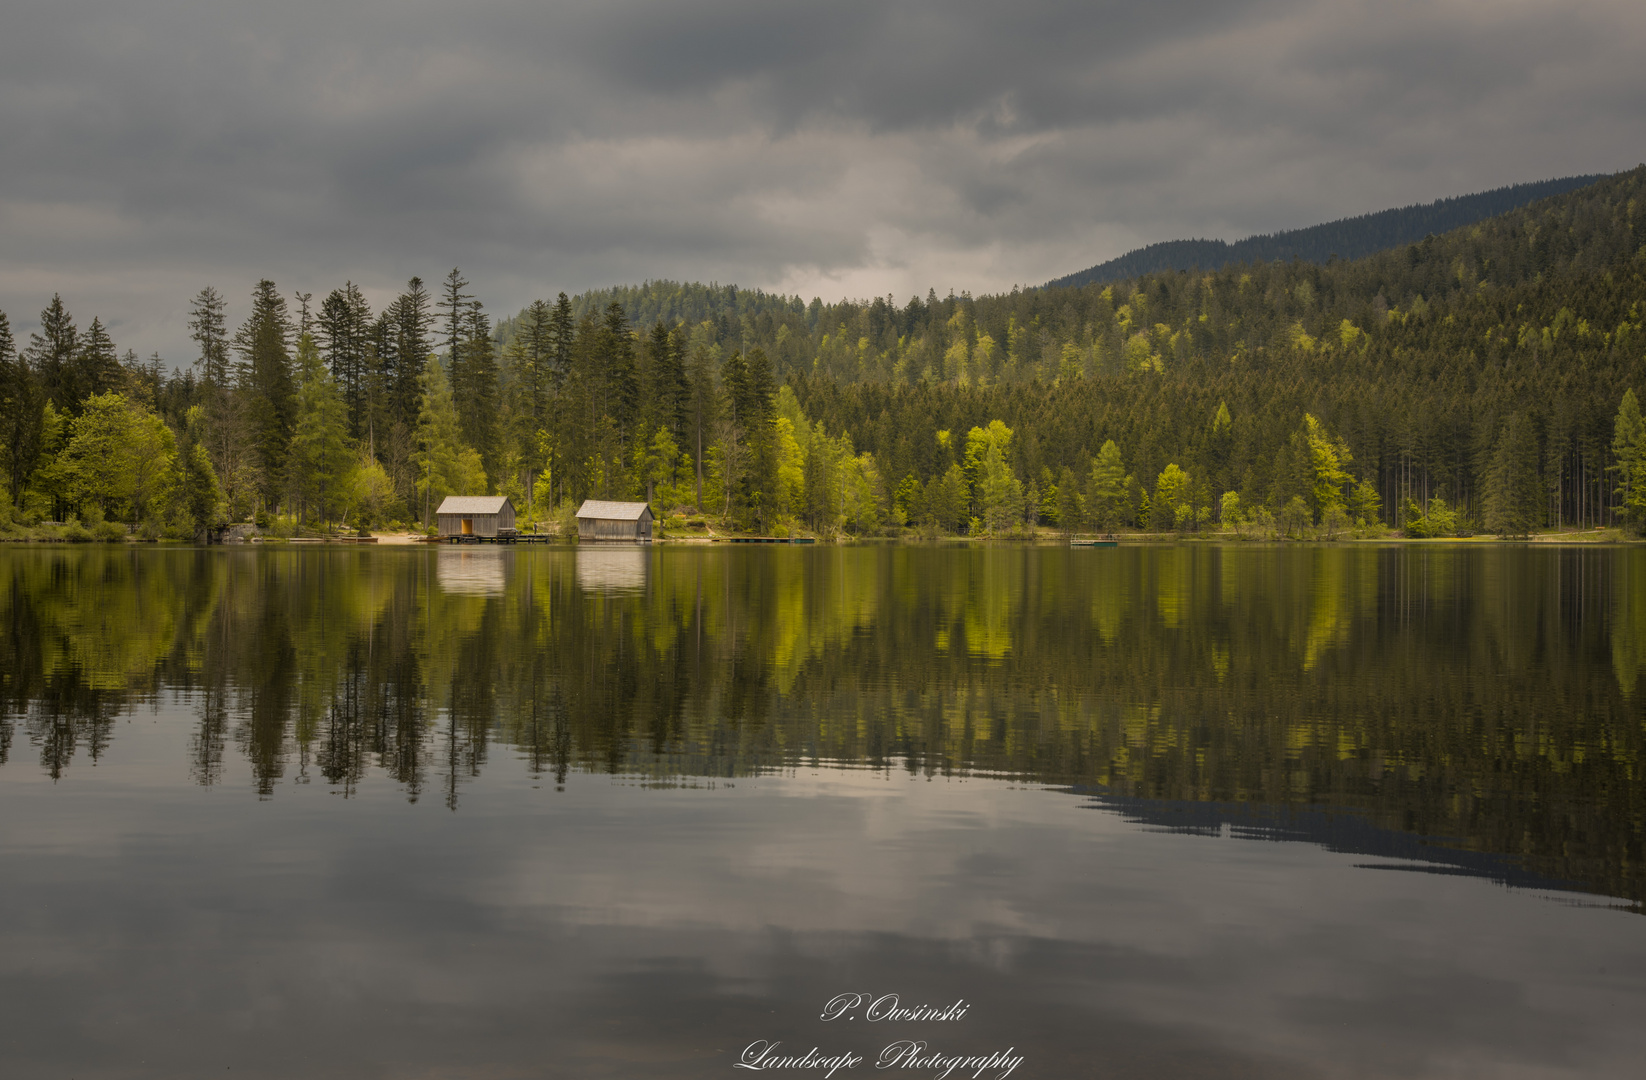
(320, 455)
(21, 404)
(1629, 452)
(345, 327)
(414, 321)
(208, 326)
(454, 306)
(1106, 501)
(265, 378)
(97, 365)
(537, 352)
(562, 337)
(475, 390)
(623, 372)
(1514, 500)
(445, 466)
(52, 354)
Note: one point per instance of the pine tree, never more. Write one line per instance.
(538, 354)
(1514, 501)
(1629, 450)
(345, 327)
(475, 389)
(196, 497)
(52, 354)
(97, 366)
(413, 322)
(1068, 501)
(265, 378)
(320, 457)
(454, 305)
(208, 326)
(445, 466)
(562, 337)
(21, 405)
(1108, 496)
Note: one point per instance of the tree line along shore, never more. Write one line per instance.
(1481, 381)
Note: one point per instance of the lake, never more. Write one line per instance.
(1165, 811)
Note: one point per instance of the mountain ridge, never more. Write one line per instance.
(1345, 238)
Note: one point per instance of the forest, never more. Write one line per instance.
(1481, 379)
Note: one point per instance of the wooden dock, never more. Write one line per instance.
(765, 539)
(523, 538)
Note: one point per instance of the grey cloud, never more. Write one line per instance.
(150, 147)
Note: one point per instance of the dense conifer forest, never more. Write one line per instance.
(1483, 378)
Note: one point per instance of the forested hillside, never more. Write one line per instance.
(1348, 238)
(1482, 378)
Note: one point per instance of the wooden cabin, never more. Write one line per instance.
(630, 521)
(474, 515)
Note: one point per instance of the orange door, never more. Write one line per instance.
(468, 526)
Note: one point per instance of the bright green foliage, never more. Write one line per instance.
(1294, 518)
(1365, 505)
(445, 466)
(195, 497)
(979, 442)
(1229, 510)
(1435, 520)
(367, 492)
(909, 505)
(1328, 458)
(1171, 499)
(1107, 499)
(320, 456)
(118, 456)
(1000, 492)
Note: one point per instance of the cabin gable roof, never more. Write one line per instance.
(473, 504)
(614, 511)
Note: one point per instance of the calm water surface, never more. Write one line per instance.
(1148, 812)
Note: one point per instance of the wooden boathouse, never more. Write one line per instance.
(474, 515)
(622, 521)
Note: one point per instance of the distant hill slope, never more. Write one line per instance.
(1349, 238)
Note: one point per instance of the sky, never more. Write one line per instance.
(848, 149)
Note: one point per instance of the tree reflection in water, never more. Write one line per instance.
(1490, 695)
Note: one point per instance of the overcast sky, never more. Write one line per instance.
(149, 147)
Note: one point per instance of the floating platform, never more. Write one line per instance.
(765, 539)
(1094, 543)
(523, 538)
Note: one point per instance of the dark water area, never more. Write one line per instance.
(1326, 811)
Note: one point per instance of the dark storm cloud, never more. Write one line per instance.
(150, 147)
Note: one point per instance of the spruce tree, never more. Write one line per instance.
(320, 455)
(97, 366)
(562, 335)
(265, 378)
(208, 326)
(475, 390)
(21, 404)
(414, 321)
(52, 354)
(1629, 451)
(345, 327)
(454, 306)
(1107, 499)
(1513, 502)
